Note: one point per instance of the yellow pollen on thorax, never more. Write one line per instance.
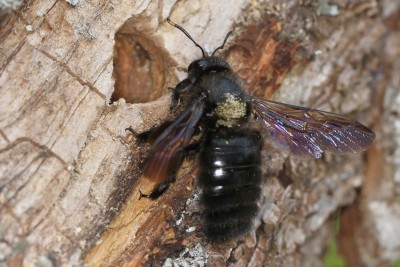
(230, 110)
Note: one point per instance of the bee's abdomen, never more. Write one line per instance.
(230, 177)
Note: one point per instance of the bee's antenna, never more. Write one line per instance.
(223, 44)
(188, 35)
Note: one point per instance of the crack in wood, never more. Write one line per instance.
(10, 211)
(104, 69)
(3, 134)
(122, 138)
(22, 42)
(12, 55)
(67, 120)
(74, 75)
(35, 144)
(34, 101)
(26, 224)
(22, 186)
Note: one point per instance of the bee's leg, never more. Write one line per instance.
(141, 137)
(162, 187)
(130, 129)
(157, 191)
(179, 89)
(151, 134)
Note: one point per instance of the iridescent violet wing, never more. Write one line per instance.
(310, 132)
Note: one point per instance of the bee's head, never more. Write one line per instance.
(205, 65)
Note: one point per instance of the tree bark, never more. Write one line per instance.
(73, 77)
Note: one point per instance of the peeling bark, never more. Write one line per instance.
(70, 173)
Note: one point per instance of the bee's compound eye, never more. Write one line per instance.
(199, 65)
(191, 66)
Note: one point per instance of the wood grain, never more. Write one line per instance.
(70, 173)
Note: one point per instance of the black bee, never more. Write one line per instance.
(217, 106)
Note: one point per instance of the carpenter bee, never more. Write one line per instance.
(218, 108)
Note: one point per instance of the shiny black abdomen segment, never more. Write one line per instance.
(230, 177)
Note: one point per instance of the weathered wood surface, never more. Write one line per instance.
(69, 172)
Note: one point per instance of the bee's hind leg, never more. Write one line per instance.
(157, 191)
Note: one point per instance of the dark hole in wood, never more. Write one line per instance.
(138, 72)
